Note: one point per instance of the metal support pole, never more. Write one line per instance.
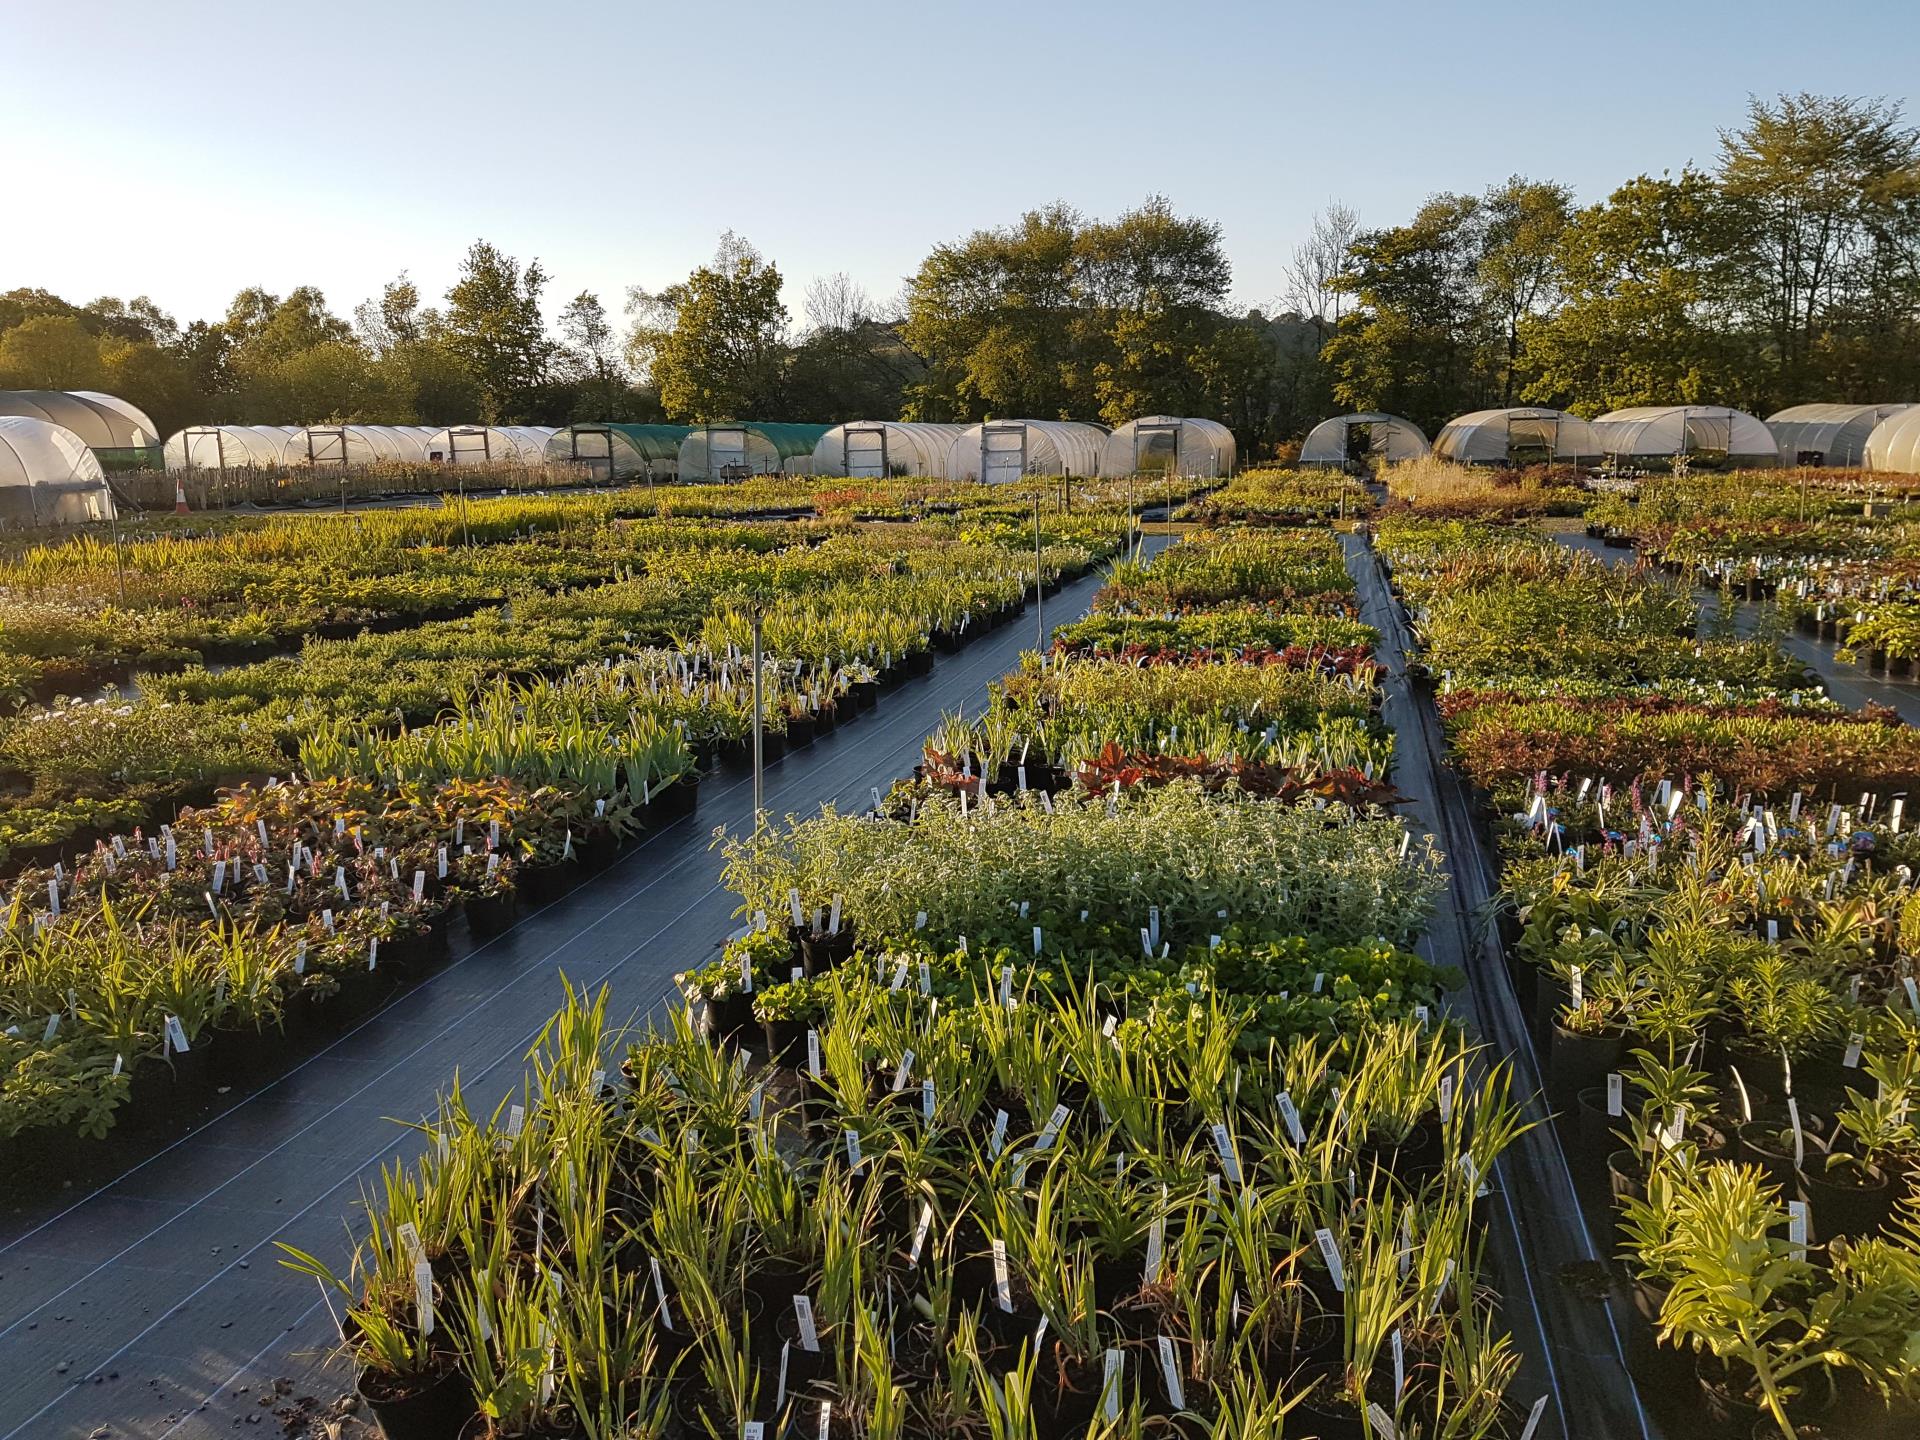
(759, 806)
(1039, 594)
(466, 536)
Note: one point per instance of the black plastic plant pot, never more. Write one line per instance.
(1324, 1411)
(1760, 1145)
(1726, 1410)
(786, 1040)
(1850, 1203)
(821, 953)
(437, 1409)
(488, 915)
(1626, 1176)
(800, 731)
(1596, 1127)
(729, 1016)
(920, 662)
(542, 883)
(1576, 1062)
(247, 1051)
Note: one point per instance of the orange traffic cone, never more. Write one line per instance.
(180, 497)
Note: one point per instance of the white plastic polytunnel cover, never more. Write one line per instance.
(1895, 443)
(1170, 445)
(491, 444)
(49, 476)
(1710, 435)
(1000, 451)
(102, 421)
(1356, 439)
(875, 449)
(228, 447)
(1518, 435)
(351, 446)
(1828, 435)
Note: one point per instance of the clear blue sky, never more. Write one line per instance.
(183, 148)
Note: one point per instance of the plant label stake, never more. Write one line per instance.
(1036, 939)
(1229, 1161)
(1399, 1361)
(813, 1053)
(997, 1141)
(1331, 1254)
(926, 978)
(1006, 987)
(1854, 1043)
(1115, 1361)
(826, 1420)
(1292, 1116)
(899, 975)
(1799, 1140)
(1002, 1286)
(1533, 1418)
(660, 1292)
(1171, 1370)
(1052, 1130)
(926, 1100)
(1156, 1246)
(1797, 1228)
(177, 1035)
(1577, 987)
(423, 1294)
(300, 958)
(853, 1148)
(780, 1394)
(1913, 993)
(1446, 1098)
(803, 1313)
(754, 1430)
(920, 1235)
(1615, 1095)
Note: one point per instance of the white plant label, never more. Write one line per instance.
(1616, 1095)
(1292, 1117)
(177, 1034)
(780, 1394)
(660, 1293)
(853, 1148)
(803, 1314)
(1002, 1286)
(1111, 1371)
(1797, 1227)
(441, 861)
(1399, 1361)
(423, 1294)
(300, 958)
(1052, 1130)
(833, 917)
(920, 920)
(813, 1053)
(1854, 1043)
(1576, 984)
(1229, 1161)
(1170, 1368)
(1533, 1418)
(1156, 1249)
(516, 1119)
(793, 907)
(1331, 1254)
(1006, 987)
(920, 1234)
(998, 1140)
(926, 978)
(1446, 1098)
(754, 1430)
(826, 1420)
(409, 1239)
(373, 952)
(1913, 993)
(1036, 940)
(899, 974)
(1799, 1140)
(926, 1100)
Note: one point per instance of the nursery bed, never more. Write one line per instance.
(166, 1280)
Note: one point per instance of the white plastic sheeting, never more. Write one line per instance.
(1387, 438)
(1518, 435)
(49, 475)
(1003, 450)
(1895, 443)
(1168, 445)
(491, 444)
(874, 449)
(102, 421)
(1711, 434)
(1834, 435)
(352, 446)
(228, 447)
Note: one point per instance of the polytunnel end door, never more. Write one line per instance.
(1709, 439)
(1156, 449)
(1531, 441)
(727, 454)
(865, 454)
(1003, 455)
(594, 450)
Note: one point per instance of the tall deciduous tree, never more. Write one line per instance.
(714, 346)
(493, 326)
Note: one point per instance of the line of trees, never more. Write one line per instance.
(1787, 271)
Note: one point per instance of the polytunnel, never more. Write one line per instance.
(733, 452)
(351, 446)
(1361, 438)
(490, 444)
(49, 476)
(999, 451)
(1895, 443)
(1827, 435)
(620, 452)
(874, 449)
(1518, 436)
(1709, 436)
(1169, 445)
(118, 432)
(228, 447)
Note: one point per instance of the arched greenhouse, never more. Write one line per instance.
(1827, 435)
(1895, 443)
(1168, 445)
(999, 451)
(620, 452)
(1358, 439)
(352, 446)
(119, 433)
(735, 451)
(49, 476)
(228, 447)
(874, 449)
(490, 444)
(1518, 436)
(1712, 437)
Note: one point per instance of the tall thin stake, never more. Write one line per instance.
(759, 807)
(1039, 594)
